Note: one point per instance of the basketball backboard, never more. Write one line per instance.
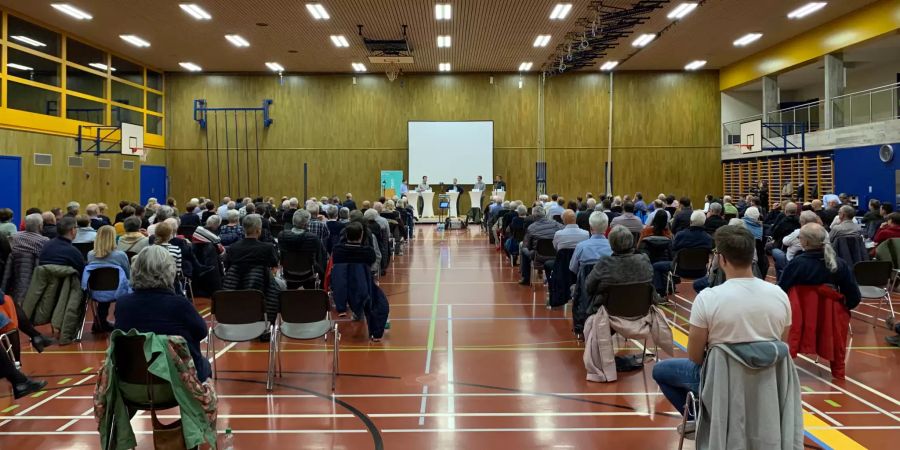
(132, 139)
(751, 136)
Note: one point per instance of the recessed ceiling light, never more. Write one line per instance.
(29, 41)
(134, 40)
(190, 66)
(442, 11)
(195, 11)
(359, 67)
(339, 41)
(694, 65)
(525, 66)
(18, 66)
(747, 39)
(275, 67)
(681, 10)
(444, 67)
(609, 65)
(317, 11)
(542, 40)
(237, 40)
(643, 40)
(560, 11)
(806, 10)
(72, 11)
(101, 66)
(443, 41)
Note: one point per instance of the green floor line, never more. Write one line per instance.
(38, 394)
(87, 369)
(9, 408)
(833, 403)
(806, 389)
(64, 381)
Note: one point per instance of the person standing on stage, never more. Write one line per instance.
(479, 185)
(403, 188)
(499, 184)
(456, 187)
(422, 187)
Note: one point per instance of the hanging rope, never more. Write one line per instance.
(256, 131)
(218, 168)
(247, 156)
(208, 171)
(237, 155)
(227, 156)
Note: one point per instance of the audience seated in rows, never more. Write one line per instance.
(656, 240)
(818, 264)
(298, 240)
(890, 229)
(105, 253)
(543, 228)
(85, 232)
(232, 231)
(596, 247)
(623, 266)
(694, 236)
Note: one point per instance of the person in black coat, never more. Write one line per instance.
(349, 203)
(818, 264)
(154, 307)
(682, 218)
(60, 251)
(787, 224)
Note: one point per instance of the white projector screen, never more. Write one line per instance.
(446, 150)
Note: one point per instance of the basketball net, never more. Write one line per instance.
(143, 154)
(392, 72)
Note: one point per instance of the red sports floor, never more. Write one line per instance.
(472, 361)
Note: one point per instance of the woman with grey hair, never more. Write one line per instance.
(154, 308)
(232, 231)
(818, 264)
(623, 267)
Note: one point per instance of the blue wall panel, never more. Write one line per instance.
(859, 171)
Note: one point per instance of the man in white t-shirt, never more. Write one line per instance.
(742, 309)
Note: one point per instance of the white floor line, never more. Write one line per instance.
(74, 419)
(821, 414)
(857, 383)
(852, 395)
(222, 352)
(417, 395)
(51, 397)
(89, 414)
(451, 389)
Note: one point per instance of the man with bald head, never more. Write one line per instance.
(570, 235)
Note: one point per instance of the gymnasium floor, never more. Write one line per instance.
(472, 361)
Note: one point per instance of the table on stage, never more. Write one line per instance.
(428, 201)
(501, 194)
(454, 196)
(475, 198)
(413, 198)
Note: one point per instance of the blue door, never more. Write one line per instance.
(153, 183)
(11, 185)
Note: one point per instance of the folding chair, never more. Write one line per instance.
(873, 278)
(518, 235)
(632, 300)
(693, 259)
(239, 316)
(305, 315)
(6, 344)
(103, 279)
(691, 408)
(84, 248)
(299, 269)
(544, 247)
(133, 370)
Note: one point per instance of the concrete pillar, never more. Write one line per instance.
(770, 98)
(834, 86)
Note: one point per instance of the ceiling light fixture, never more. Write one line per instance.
(317, 11)
(442, 11)
(359, 67)
(525, 66)
(29, 41)
(195, 11)
(134, 40)
(643, 40)
(560, 11)
(609, 65)
(694, 65)
(806, 10)
(18, 66)
(72, 11)
(275, 67)
(101, 66)
(681, 10)
(444, 67)
(237, 40)
(190, 66)
(443, 41)
(542, 40)
(339, 41)
(747, 39)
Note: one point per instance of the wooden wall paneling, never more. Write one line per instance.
(663, 170)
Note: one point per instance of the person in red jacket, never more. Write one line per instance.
(889, 229)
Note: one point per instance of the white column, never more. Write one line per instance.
(834, 86)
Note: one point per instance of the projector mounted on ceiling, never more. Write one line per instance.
(391, 52)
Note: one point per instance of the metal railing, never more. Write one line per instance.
(871, 105)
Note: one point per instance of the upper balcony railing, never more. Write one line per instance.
(871, 105)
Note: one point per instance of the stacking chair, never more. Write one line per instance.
(103, 279)
(544, 247)
(133, 370)
(84, 248)
(889, 250)
(693, 259)
(874, 278)
(518, 236)
(691, 408)
(305, 315)
(239, 316)
(299, 269)
(6, 345)
(630, 301)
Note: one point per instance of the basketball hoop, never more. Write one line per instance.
(744, 146)
(141, 152)
(393, 71)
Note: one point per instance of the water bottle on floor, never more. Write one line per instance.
(229, 440)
